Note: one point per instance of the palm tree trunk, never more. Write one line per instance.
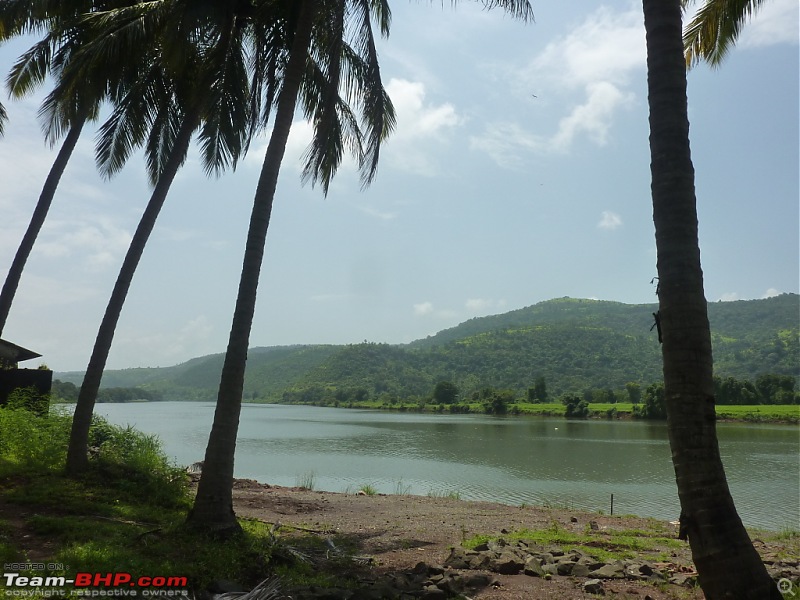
(77, 452)
(37, 220)
(728, 565)
(213, 505)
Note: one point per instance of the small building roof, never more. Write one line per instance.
(12, 353)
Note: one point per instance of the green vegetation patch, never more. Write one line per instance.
(604, 545)
(128, 514)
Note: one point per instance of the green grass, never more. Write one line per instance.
(368, 489)
(452, 494)
(761, 412)
(604, 545)
(127, 514)
(305, 481)
(754, 413)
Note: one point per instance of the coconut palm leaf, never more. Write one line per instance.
(714, 29)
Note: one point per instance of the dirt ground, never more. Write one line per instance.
(399, 531)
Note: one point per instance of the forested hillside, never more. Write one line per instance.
(573, 344)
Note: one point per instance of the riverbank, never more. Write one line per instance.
(749, 413)
(402, 535)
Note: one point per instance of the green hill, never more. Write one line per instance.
(573, 344)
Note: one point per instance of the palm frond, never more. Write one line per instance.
(715, 28)
(161, 140)
(3, 119)
(31, 68)
(324, 154)
(226, 127)
(127, 128)
(377, 109)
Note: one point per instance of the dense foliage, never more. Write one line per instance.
(603, 351)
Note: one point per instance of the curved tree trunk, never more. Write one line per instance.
(77, 452)
(728, 566)
(37, 220)
(213, 505)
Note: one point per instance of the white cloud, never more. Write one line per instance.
(415, 118)
(774, 23)
(504, 141)
(771, 292)
(97, 239)
(729, 297)
(607, 46)
(419, 123)
(593, 117)
(609, 220)
(423, 308)
(594, 60)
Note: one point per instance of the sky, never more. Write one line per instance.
(518, 172)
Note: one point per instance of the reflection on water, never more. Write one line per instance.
(514, 460)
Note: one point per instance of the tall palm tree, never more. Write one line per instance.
(715, 28)
(182, 84)
(52, 52)
(213, 506)
(319, 63)
(727, 564)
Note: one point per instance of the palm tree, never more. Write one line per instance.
(727, 564)
(213, 506)
(319, 64)
(715, 28)
(52, 52)
(203, 85)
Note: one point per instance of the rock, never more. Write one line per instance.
(533, 567)
(431, 592)
(610, 571)
(686, 579)
(573, 519)
(507, 564)
(477, 581)
(565, 567)
(545, 557)
(550, 569)
(580, 570)
(594, 586)
(459, 558)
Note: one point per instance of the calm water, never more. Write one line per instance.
(575, 464)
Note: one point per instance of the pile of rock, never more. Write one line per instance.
(512, 558)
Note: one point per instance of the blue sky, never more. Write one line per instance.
(518, 172)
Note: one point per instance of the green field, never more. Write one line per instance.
(763, 412)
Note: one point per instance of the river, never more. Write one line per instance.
(513, 460)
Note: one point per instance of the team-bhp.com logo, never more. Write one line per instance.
(93, 585)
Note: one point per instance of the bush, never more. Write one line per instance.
(654, 406)
(124, 459)
(576, 408)
(32, 443)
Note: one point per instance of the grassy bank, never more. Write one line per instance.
(763, 413)
(126, 515)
